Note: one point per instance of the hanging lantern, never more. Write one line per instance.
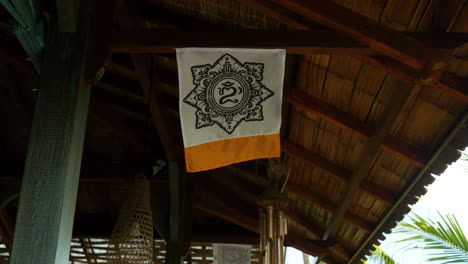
(132, 237)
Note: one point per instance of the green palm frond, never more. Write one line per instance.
(444, 238)
(379, 256)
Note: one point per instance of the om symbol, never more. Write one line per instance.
(228, 93)
(229, 86)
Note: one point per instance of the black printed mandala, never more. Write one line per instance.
(227, 93)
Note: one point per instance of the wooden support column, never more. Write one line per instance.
(160, 210)
(178, 242)
(48, 194)
(67, 14)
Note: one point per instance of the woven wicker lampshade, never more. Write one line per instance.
(132, 238)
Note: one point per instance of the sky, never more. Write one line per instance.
(448, 194)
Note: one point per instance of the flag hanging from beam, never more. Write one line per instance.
(230, 105)
(231, 254)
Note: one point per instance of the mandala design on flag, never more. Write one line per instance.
(227, 93)
(231, 254)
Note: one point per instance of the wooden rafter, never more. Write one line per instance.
(312, 159)
(90, 171)
(309, 103)
(408, 52)
(120, 92)
(294, 41)
(369, 151)
(451, 145)
(127, 20)
(98, 47)
(450, 83)
(349, 217)
(122, 70)
(359, 27)
(310, 225)
(221, 209)
(229, 183)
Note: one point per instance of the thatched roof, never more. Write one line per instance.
(341, 119)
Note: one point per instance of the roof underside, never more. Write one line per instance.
(337, 103)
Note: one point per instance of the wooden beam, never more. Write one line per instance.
(349, 217)
(67, 14)
(52, 168)
(171, 18)
(314, 160)
(247, 239)
(294, 41)
(177, 243)
(455, 86)
(303, 193)
(220, 209)
(392, 144)
(99, 39)
(172, 145)
(309, 103)
(452, 143)
(120, 92)
(122, 70)
(229, 183)
(368, 153)
(313, 227)
(126, 14)
(105, 103)
(91, 171)
(359, 27)
(406, 50)
(160, 212)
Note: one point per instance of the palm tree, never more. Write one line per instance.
(379, 256)
(443, 239)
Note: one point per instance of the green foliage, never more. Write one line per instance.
(444, 239)
(379, 256)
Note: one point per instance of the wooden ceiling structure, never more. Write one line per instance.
(375, 102)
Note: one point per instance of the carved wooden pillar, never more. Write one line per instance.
(48, 194)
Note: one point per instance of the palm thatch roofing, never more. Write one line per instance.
(368, 117)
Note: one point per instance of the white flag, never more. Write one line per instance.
(230, 105)
(231, 254)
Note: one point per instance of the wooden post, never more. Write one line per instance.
(48, 194)
(177, 241)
